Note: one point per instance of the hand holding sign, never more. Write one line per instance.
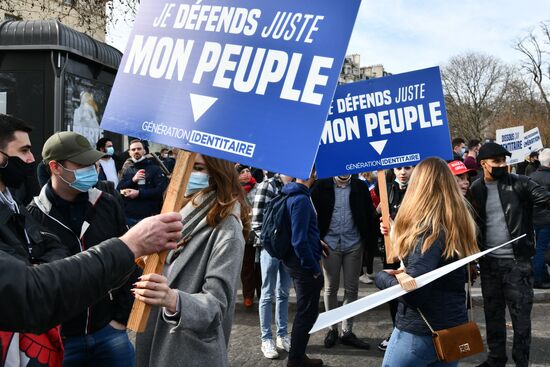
(406, 281)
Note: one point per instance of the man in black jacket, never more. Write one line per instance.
(42, 296)
(21, 236)
(83, 216)
(142, 185)
(347, 224)
(541, 220)
(37, 296)
(505, 202)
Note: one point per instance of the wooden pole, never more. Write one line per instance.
(173, 202)
(385, 206)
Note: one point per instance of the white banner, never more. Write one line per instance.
(332, 317)
(532, 141)
(512, 140)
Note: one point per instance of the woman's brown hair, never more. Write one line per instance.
(224, 180)
(434, 205)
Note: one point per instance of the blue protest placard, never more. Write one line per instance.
(247, 81)
(384, 123)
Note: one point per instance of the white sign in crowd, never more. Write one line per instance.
(518, 142)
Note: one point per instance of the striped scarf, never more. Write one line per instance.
(193, 214)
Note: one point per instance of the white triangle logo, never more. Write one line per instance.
(200, 104)
(379, 145)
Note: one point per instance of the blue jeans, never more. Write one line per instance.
(107, 347)
(275, 282)
(409, 350)
(543, 242)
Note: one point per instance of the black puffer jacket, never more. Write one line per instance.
(443, 302)
(103, 219)
(36, 298)
(541, 215)
(518, 195)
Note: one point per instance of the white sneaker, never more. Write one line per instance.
(371, 275)
(283, 343)
(365, 279)
(384, 344)
(269, 350)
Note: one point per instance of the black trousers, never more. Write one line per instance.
(308, 290)
(251, 276)
(393, 303)
(507, 283)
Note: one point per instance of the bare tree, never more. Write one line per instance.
(535, 62)
(475, 85)
(92, 15)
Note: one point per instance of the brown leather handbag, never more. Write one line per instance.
(457, 342)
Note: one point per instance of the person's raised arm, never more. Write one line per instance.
(36, 298)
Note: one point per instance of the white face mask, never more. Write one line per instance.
(138, 160)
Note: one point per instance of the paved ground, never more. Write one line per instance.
(372, 326)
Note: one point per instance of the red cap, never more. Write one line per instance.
(458, 168)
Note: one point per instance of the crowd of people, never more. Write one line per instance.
(70, 252)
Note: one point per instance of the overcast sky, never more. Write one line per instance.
(405, 35)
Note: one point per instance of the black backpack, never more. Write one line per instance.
(276, 232)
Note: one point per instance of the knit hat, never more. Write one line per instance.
(239, 167)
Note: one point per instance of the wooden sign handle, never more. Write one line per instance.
(385, 206)
(173, 202)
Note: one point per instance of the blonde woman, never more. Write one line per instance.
(433, 228)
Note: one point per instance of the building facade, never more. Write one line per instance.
(352, 71)
(84, 16)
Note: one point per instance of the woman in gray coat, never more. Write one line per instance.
(196, 293)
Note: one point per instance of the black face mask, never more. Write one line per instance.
(15, 171)
(499, 172)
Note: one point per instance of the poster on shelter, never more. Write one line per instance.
(247, 81)
(85, 102)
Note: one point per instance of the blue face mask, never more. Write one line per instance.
(84, 178)
(110, 151)
(197, 182)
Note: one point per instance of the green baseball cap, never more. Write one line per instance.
(70, 146)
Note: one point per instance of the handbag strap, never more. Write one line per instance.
(426, 321)
(469, 295)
